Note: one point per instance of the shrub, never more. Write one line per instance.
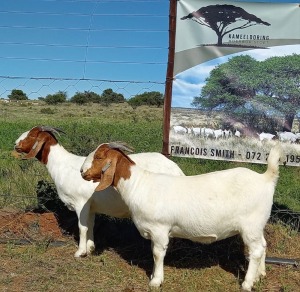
(108, 96)
(85, 97)
(17, 94)
(47, 111)
(56, 98)
(147, 98)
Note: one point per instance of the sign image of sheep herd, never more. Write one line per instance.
(215, 135)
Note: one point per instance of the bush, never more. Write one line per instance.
(108, 96)
(153, 98)
(85, 97)
(47, 111)
(56, 98)
(17, 94)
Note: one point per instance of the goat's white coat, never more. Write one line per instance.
(202, 208)
(227, 134)
(208, 132)
(237, 133)
(287, 136)
(218, 133)
(265, 136)
(180, 129)
(79, 195)
(196, 131)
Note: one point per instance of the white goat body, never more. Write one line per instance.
(203, 208)
(180, 129)
(78, 194)
(227, 134)
(219, 133)
(287, 136)
(196, 131)
(208, 132)
(237, 133)
(265, 136)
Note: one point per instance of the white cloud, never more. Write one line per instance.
(197, 73)
(189, 83)
(184, 92)
(263, 54)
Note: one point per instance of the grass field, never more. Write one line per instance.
(124, 262)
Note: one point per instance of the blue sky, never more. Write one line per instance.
(103, 40)
(98, 40)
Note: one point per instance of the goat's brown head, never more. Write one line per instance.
(37, 142)
(106, 165)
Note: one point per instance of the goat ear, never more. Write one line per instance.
(107, 177)
(35, 149)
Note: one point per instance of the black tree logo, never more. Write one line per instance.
(220, 17)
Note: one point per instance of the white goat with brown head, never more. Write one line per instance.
(78, 194)
(203, 208)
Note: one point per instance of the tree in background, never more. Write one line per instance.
(108, 96)
(93, 96)
(254, 92)
(220, 17)
(85, 97)
(279, 84)
(17, 94)
(153, 98)
(56, 98)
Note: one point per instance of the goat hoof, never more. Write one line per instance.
(246, 287)
(155, 282)
(263, 273)
(80, 254)
(91, 249)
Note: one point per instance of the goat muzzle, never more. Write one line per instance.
(17, 154)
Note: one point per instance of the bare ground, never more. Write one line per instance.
(37, 255)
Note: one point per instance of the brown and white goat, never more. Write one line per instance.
(78, 194)
(203, 208)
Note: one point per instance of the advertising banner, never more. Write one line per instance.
(236, 85)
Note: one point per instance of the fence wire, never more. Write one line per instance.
(39, 87)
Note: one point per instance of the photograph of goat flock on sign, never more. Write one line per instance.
(236, 88)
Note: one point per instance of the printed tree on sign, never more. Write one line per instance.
(220, 17)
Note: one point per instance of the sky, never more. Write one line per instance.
(77, 45)
(96, 40)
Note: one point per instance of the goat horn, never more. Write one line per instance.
(121, 146)
(52, 130)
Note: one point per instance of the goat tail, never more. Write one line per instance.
(273, 162)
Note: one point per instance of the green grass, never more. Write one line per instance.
(89, 125)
